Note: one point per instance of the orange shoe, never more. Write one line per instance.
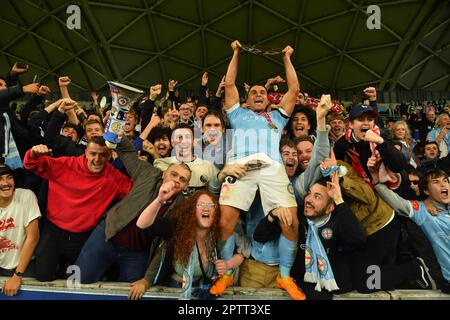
(221, 284)
(289, 285)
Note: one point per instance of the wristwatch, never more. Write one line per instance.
(19, 274)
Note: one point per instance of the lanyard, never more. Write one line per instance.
(205, 278)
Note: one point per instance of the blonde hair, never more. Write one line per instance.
(407, 131)
(438, 120)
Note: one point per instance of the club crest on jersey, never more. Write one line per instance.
(203, 178)
(327, 233)
(415, 205)
(290, 188)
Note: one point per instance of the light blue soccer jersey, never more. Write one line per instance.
(437, 230)
(253, 134)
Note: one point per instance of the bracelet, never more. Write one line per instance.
(19, 274)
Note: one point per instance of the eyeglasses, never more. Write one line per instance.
(414, 182)
(203, 205)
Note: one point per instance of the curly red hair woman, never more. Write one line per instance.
(198, 228)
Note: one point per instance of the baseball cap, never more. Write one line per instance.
(4, 169)
(360, 109)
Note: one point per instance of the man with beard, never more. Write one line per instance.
(329, 225)
(261, 269)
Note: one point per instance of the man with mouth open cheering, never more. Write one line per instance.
(256, 139)
(356, 148)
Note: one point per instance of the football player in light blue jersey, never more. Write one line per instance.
(256, 141)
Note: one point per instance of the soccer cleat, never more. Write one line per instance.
(223, 282)
(289, 285)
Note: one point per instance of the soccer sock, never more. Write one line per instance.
(226, 249)
(288, 250)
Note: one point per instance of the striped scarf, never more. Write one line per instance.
(11, 153)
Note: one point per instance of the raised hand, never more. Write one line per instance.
(334, 189)
(155, 120)
(166, 191)
(40, 150)
(64, 81)
(236, 46)
(373, 164)
(324, 106)
(31, 88)
(288, 51)
(18, 69)
(65, 105)
(175, 114)
(147, 146)
(155, 91)
(172, 84)
(371, 136)
(205, 79)
(43, 90)
(371, 93)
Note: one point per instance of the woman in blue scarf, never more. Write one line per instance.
(189, 258)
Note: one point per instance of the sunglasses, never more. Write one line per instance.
(414, 182)
(203, 205)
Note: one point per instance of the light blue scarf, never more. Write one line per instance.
(11, 154)
(188, 272)
(317, 267)
(188, 275)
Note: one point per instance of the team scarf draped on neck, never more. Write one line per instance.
(202, 291)
(317, 266)
(391, 179)
(11, 153)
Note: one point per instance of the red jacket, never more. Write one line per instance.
(77, 198)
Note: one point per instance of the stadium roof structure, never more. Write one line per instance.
(143, 42)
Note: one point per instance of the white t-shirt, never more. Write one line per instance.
(13, 220)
